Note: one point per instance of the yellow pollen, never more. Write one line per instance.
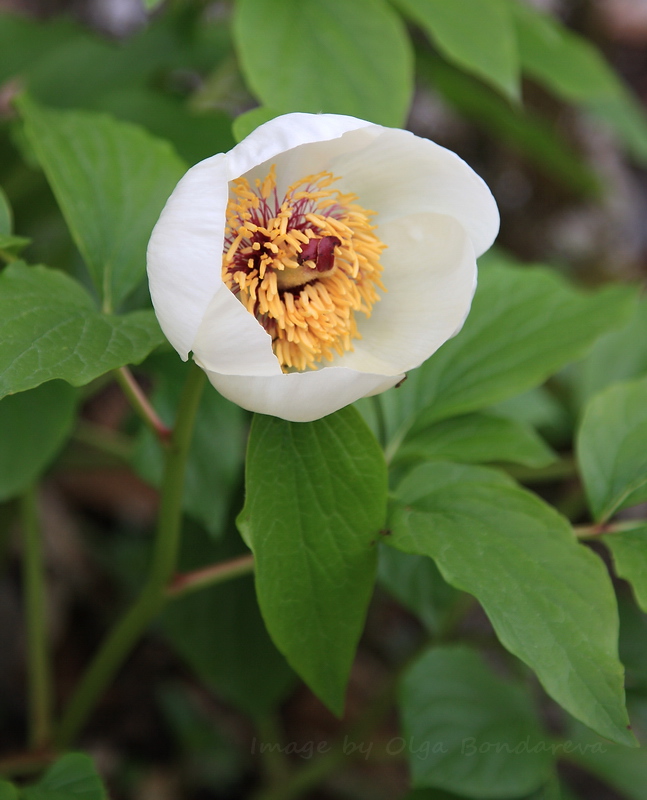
(304, 265)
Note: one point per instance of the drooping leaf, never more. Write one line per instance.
(524, 325)
(629, 550)
(612, 448)
(476, 732)
(464, 32)
(315, 502)
(549, 598)
(111, 180)
(72, 776)
(50, 328)
(33, 427)
(217, 452)
(346, 58)
(572, 68)
(219, 631)
(475, 438)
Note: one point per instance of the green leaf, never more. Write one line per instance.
(216, 456)
(524, 325)
(73, 775)
(549, 598)
(532, 136)
(111, 180)
(219, 631)
(470, 731)
(49, 329)
(464, 32)
(617, 356)
(33, 427)
(629, 550)
(475, 438)
(612, 449)
(572, 68)
(8, 791)
(6, 217)
(250, 120)
(347, 58)
(416, 583)
(315, 502)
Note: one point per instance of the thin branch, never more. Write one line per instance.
(141, 404)
(593, 531)
(186, 582)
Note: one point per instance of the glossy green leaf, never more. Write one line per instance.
(111, 181)
(629, 550)
(550, 600)
(219, 631)
(617, 356)
(307, 55)
(6, 217)
(470, 731)
(215, 465)
(315, 503)
(524, 325)
(612, 448)
(475, 438)
(416, 583)
(72, 776)
(49, 328)
(464, 32)
(575, 70)
(33, 427)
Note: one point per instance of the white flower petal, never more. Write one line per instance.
(303, 396)
(231, 340)
(285, 133)
(185, 251)
(430, 277)
(398, 173)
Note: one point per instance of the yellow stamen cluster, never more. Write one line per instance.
(307, 306)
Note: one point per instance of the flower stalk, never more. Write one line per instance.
(128, 630)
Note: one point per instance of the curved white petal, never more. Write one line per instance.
(232, 341)
(430, 277)
(185, 251)
(303, 396)
(398, 173)
(283, 134)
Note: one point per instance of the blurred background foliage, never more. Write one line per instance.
(546, 101)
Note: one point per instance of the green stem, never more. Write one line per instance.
(186, 582)
(38, 662)
(128, 630)
(141, 404)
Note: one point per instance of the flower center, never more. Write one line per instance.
(303, 265)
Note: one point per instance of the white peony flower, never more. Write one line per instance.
(318, 261)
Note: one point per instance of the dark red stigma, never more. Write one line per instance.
(321, 251)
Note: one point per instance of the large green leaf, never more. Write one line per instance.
(315, 502)
(549, 598)
(464, 32)
(475, 438)
(49, 328)
(575, 70)
(8, 791)
(334, 56)
(524, 325)
(219, 631)
(629, 550)
(111, 180)
(612, 448)
(217, 452)
(33, 427)
(470, 731)
(72, 776)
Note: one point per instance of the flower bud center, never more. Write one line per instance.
(303, 265)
